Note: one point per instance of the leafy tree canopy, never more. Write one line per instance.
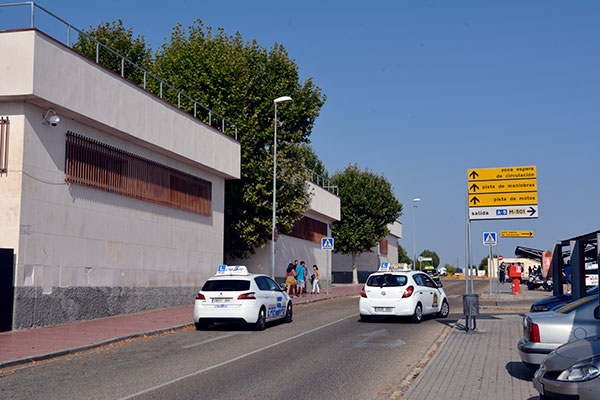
(402, 256)
(368, 205)
(433, 255)
(239, 80)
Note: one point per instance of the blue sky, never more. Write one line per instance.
(421, 91)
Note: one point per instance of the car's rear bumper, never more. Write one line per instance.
(533, 353)
(219, 312)
(397, 307)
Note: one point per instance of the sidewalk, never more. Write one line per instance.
(36, 344)
(484, 364)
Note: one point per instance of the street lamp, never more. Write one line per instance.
(414, 245)
(278, 100)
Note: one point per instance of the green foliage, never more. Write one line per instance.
(118, 38)
(402, 256)
(483, 264)
(451, 269)
(433, 255)
(241, 79)
(368, 205)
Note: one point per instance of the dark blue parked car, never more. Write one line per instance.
(552, 302)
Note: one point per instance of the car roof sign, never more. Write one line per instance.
(232, 270)
(387, 267)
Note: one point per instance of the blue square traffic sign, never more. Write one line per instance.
(327, 244)
(489, 237)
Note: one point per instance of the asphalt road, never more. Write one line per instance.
(325, 353)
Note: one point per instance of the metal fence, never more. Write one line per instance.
(324, 183)
(148, 81)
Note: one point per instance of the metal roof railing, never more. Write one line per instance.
(150, 81)
(324, 183)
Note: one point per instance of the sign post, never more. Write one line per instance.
(499, 193)
(327, 245)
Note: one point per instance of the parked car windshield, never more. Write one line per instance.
(387, 280)
(226, 285)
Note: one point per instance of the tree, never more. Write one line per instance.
(239, 80)
(368, 205)
(120, 39)
(483, 264)
(433, 255)
(402, 256)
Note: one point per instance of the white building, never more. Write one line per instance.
(117, 209)
(368, 262)
(304, 242)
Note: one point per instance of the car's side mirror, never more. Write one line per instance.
(283, 287)
(439, 284)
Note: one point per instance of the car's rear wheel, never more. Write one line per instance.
(444, 310)
(288, 313)
(261, 322)
(365, 318)
(201, 326)
(418, 314)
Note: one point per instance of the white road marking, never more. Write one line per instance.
(453, 296)
(367, 340)
(236, 358)
(212, 340)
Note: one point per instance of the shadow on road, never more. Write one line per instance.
(518, 370)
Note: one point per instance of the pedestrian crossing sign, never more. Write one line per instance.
(489, 237)
(327, 244)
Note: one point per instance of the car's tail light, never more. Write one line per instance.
(408, 292)
(247, 296)
(200, 296)
(534, 332)
(363, 293)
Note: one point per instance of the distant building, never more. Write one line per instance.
(368, 262)
(120, 207)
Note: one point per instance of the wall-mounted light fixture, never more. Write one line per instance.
(50, 118)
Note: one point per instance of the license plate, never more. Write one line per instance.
(221, 306)
(538, 386)
(384, 309)
(220, 300)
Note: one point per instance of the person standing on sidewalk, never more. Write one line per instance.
(502, 274)
(290, 280)
(301, 278)
(315, 283)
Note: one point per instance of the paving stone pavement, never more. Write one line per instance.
(480, 365)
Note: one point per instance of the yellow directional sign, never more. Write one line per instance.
(518, 185)
(505, 199)
(489, 174)
(517, 234)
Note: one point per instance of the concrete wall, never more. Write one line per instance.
(81, 252)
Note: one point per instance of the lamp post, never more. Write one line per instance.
(414, 244)
(278, 100)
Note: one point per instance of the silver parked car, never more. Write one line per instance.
(571, 371)
(545, 331)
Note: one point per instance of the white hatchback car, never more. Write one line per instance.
(392, 291)
(234, 295)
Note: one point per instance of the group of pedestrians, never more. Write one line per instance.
(296, 277)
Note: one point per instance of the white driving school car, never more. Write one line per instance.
(393, 291)
(234, 295)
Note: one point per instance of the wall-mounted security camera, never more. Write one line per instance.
(51, 118)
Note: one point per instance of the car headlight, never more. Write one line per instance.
(583, 371)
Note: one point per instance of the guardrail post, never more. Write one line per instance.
(144, 79)
(122, 67)
(210, 117)
(161, 89)
(69, 35)
(98, 52)
(235, 132)
(32, 12)
(222, 124)
(195, 109)
(178, 99)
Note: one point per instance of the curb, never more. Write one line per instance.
(92, 346)
(66, 352)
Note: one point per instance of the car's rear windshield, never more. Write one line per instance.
(387, 280)
(226, 285)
